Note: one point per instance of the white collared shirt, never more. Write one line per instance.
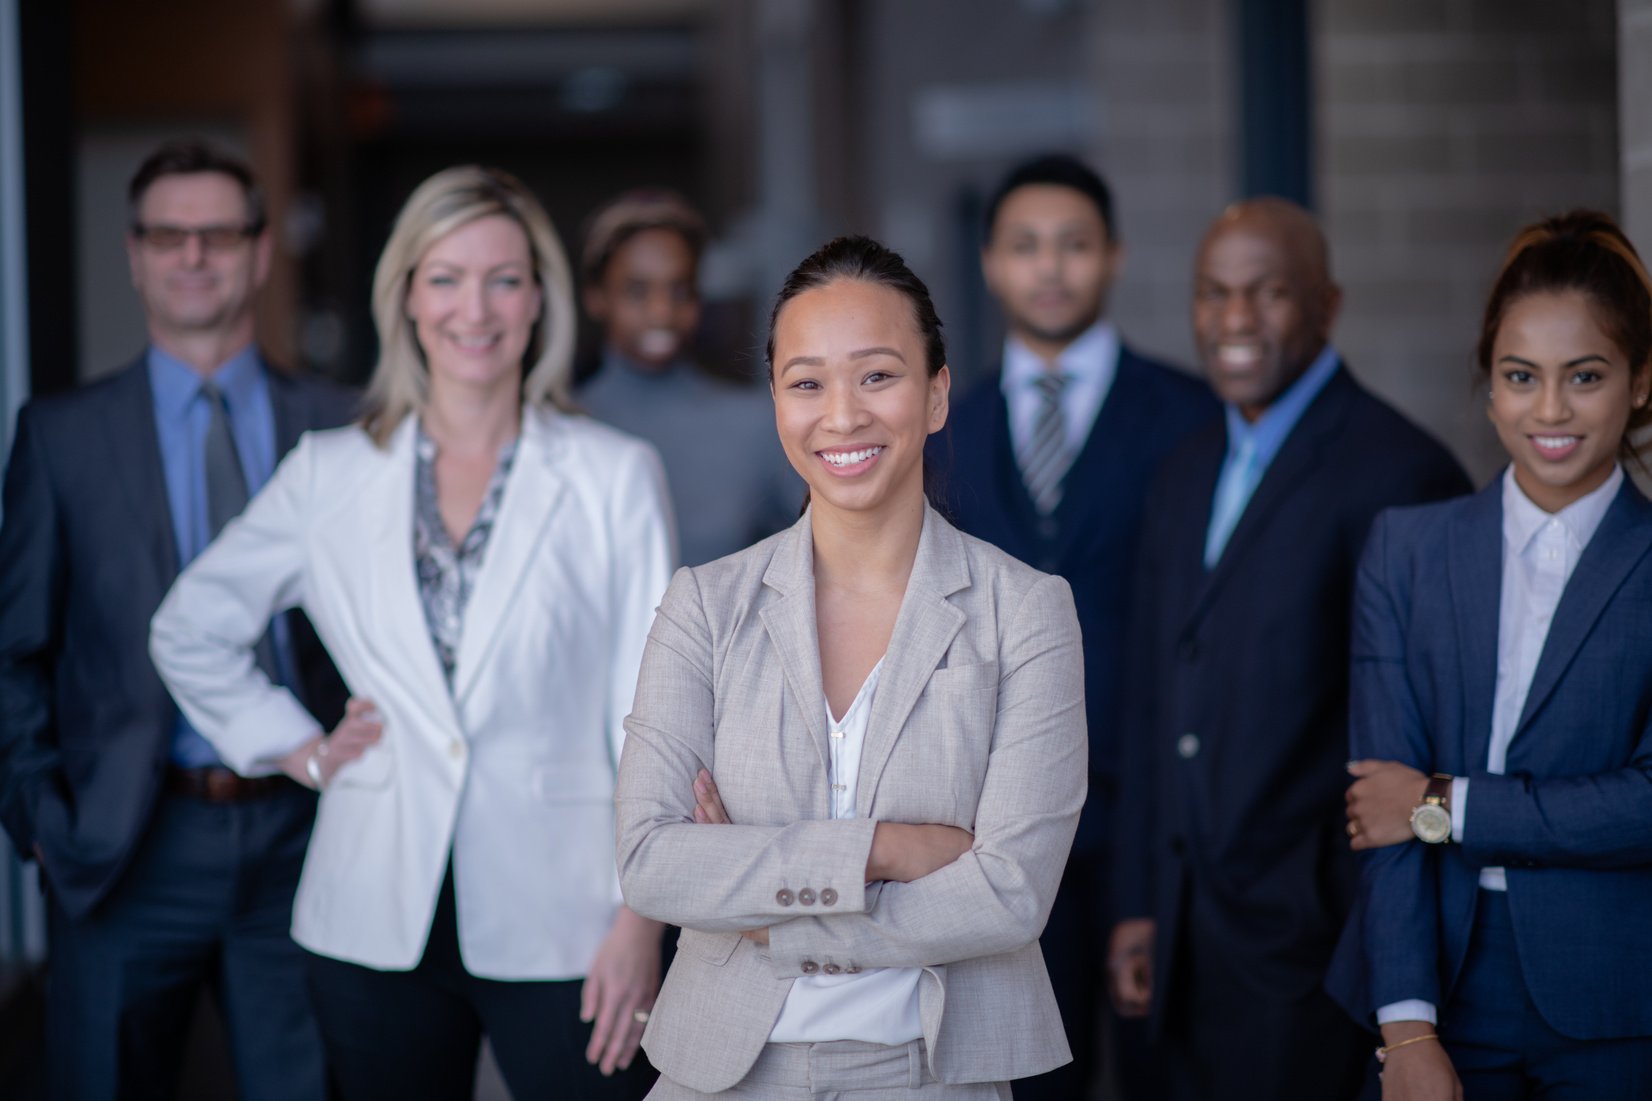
(1540, 550)
(1090, 363)
(879, 1005)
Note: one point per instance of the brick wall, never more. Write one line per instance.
(1163, 75)
(1443, 126)
(1635, 117)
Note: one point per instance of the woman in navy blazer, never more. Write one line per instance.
(1502, 695)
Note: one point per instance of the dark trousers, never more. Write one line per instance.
(406, 1034)
(1502, 1047)
(1229, 1039)
(207, 899)
(1074, 943)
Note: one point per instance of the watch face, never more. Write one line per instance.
(1431, 823)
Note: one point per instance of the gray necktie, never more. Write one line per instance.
(1044, 456)
(226, 493)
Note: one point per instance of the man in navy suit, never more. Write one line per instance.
(1049, 459)
(163, 869)
(1237, 875)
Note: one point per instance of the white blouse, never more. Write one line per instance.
(880, 1005)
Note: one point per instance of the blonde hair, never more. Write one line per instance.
(450, 199)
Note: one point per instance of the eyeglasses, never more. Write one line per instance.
(212, 238)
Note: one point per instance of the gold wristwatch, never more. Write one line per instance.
(1431, 819)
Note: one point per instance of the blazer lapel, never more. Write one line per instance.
(1107, 456)
(136, 452)
(535, 485)
(1618, 546)
(292, 416)
(1475, 565)
(395, 576)
(790, 623)
(1296, 461)
(924, 628)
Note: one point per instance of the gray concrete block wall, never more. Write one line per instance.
(1163, 77)
(1635, 118)
(1443, 126)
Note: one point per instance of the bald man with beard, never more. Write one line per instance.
(1237, 876)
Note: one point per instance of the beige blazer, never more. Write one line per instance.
(513, 772)
(978, 722)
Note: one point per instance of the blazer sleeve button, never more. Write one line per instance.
(806, 896)
(783, 896)
(810, 967)
(852, 969)
(832, 969)
(828, 897)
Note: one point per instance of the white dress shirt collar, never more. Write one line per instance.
(1523, 519)
(1090, 363)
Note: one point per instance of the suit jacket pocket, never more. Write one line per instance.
(573, 783)
(714, 948)
(964, 678)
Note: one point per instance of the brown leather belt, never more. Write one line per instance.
(222, 785)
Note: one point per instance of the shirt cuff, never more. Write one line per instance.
(1414, 1009)
(1459, 803)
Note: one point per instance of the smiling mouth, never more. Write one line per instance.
(1238, 357)
(843, 460)
(1555, 446)
(475, 343)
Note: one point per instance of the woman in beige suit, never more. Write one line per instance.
(857, 753)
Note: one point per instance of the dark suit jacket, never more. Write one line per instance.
(87, 551)
(1091, 538)
(1235, 741)
(1570, 821)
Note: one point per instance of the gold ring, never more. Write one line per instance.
(640, 1016)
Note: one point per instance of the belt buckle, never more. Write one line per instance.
(222, 785)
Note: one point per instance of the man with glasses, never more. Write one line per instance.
(163, 868)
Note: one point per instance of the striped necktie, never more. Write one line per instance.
(1044, 456)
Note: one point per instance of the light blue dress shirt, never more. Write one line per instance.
(181, 419)
(1253, 447)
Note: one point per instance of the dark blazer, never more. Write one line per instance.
(1571, 820)
(87, 551)
(1091, 538)
(1235, 736)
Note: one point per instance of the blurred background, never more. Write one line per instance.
(1423, 132)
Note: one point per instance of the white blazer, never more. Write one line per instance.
(514, 771)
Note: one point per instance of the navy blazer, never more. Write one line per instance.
(1090, 540)
(87, 551)
(1571, 820)
(1235, 741)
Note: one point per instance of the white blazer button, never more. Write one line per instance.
(806, 896)
(828, 897)
(810, 967)
(783, 896)
(832, 969)
(1187, 746)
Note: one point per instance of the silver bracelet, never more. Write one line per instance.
(312, 764)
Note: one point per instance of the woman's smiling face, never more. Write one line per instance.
(1561, 395)
(853, 397)
(473, 302)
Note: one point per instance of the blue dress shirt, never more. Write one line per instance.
(181, 419)
(1252, 448)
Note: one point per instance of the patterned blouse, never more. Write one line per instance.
(447, 574)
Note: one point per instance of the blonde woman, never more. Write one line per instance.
(483, 567)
